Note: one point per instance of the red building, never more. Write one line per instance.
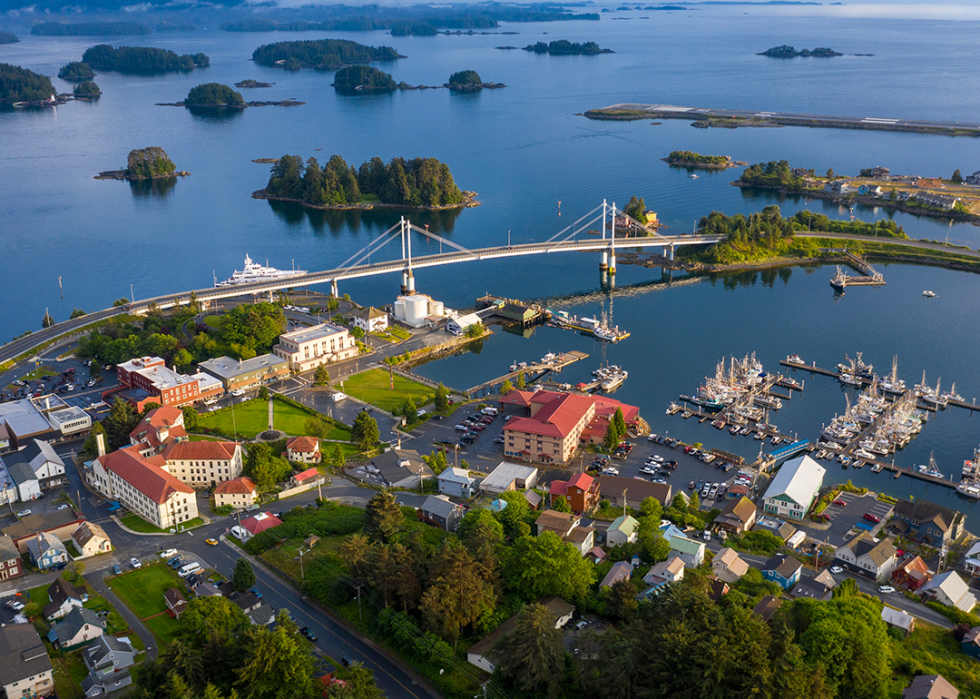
(581, 492)
(912, 574)
(151, 376)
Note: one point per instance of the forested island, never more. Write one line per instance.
(22, 85)
(414, 29)
(776, 174)
(686, 158)
(86, 90)
(322, 54)
(150, 163)
(252, 83)
(421, 183)
(76, 72)
(469, 81)
(364, 78)
(791, 52)
(168, 26)
(90, 29)
(8, 38)
(567, 48)
(218, 96)
(142, 60)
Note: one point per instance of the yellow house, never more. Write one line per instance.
(90, 539)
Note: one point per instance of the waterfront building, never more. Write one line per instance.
(308, 348)
(148, 380)
(369, 319)
(241, 374)
(457, 326)
(794, 488)
(927, 522)
(415, 309)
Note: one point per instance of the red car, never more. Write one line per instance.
(840, 503)
(872, 518)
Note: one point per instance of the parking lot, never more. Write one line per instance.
(844, 518)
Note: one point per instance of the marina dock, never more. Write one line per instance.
(532, 372)
(871, 277)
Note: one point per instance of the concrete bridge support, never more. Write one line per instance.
(334, 292)
(604, 261)
(612, 261)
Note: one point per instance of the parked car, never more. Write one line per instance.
(462, 428)
(169, 553)
(308, 634)
(840, 503)
(648, 471)
(135, 562)
(836, 570)
(23, 513)
(886, 589)
(255, 591)
(872, 518)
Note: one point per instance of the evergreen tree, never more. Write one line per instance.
(365, 430)
(337, 458)
(957, 178)
(620, 422)
(244, 576)
(457, 593)
(120, 421)
(382, 516)
(321, 377)
(442, 399)
(560, 504)
(611, 440)
(533, 655)
(410, 412)
(621, 601)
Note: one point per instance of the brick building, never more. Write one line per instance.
(151, 376)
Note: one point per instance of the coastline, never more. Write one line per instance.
(469, 202)
(865, 201)
(121, 175)
(705, 166)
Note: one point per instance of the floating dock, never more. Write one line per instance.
(871, 276)
(532, 372)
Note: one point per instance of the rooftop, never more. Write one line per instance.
(505, 474)
(930, 687)
(235, 485)
(146, 475)
(799, 479)
(214, 451)
(260, 522)
(22, 653)
(440, 507)
(23, 418)
(228, 368)
(303, 444)
(316, 332)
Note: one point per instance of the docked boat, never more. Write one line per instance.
(968, 490)
(850, 380)
(795, 359)
(929, 294)
(549, 358)
(877, 468)
(930, 469)
(255, 272)
(951, 394)
(614, 381)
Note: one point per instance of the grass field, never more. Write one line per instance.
(252, 417)
(932, 650)
(374, 387)
(142, 590)
(41, 373)
(162, 627)
(213, 321)
(138, 524)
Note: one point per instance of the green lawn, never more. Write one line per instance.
(374, 387)
(138, 524)
(931, 650)
(69, 671)
(285, 557)
(142, 590)
(162, 627)
(38, 374)
(252, 417)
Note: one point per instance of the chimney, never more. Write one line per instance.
(100, 444)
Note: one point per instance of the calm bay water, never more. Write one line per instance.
(524, 150)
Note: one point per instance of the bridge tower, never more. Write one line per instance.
(408, 279)
(604, 260)
(612, 242)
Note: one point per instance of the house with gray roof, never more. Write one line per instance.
(870, 558)
(457, 483)
(108, 660)
(794, 488)
(63, 597)
(820, 587)
(80, 626)
(25, 668)
(948, 588)
(11, 565)
(397, 468)
(783, 570)
(440, 512)
(47, 551)
(27, 486)
(263, 615)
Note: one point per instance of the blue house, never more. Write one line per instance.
(971, 643)
(47, 551)
(782, 569)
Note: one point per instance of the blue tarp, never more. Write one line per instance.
(866, 526)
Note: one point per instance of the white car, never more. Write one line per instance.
(610, 471)
(239, 392)
(135, 562)
(420, 412)
(886, 589)
(648, 471)
(836, 570)
(23, 513)
(63, 507)
(659, 459)
(168, 553)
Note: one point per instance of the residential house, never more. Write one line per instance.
(241, 374)
(207, 589)
(255, 525)
(948, 588)
(623, 530)
(108, 660)
(928, 522)
(79, 626)
(158, 427)
(873, 190)
(175, 601)
(47, 551)
(263, 615)
(90, 539)
(508, 476)
(11, 565)
(310, 477)
(690, 551)
(973, 179)
(597, 555)
(305, 450)
(398, 468)
(898, 619)
(567, 528)
(819, 587)
(25, 668)
(369, 319)
(879, 171)
(864, 555)
(930, 687)
(620, 570)
(309, 347)
(717, 588)
(728, 566)
(671, 570)
(25, 482)
(971, 643)
(938, 201)
(246, 601)
(767, 607)
(45, 465)
(440, 512)
(580, 492)
(477, 654)
(838, 188)
(457, 482)
(533, 499)
(60, 523)
(911, 574)
(62, 598)
(737, 517)
(612, 488)
(794, 488)
(971, 562)
(783, 570)
(239, 492)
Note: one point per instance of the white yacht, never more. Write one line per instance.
(929, 294)
(255, 272)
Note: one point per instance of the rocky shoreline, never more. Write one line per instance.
(469, 202)
(283, 103)
(122, 175)
(444, 86)
(253, 83)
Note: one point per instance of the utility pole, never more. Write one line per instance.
(301, 552)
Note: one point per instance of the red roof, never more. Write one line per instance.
(215, 451)
(558, 487)
(304, 445)
(236, 485)
(164, 417)
(307, 474)
(260, 522)
(516, 397)
(581, 480)
(146, 475)
(561, 413)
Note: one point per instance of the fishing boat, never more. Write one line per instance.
(929, 294)
(614, 381)
(892, 384)
(794, 359)
(951, 394)
(548, 358)
(969, 490)
(850, 380)
(255, 272)
(930, 469)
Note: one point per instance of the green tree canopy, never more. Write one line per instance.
(244, 576)
(213, 95)
(265, 467)
(120, 421)
(365, 430)
(532, 657)
(544, 565)
(382, 516)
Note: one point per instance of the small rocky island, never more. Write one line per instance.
(689, 159)
(321, 54)
(791, 52)
(563, 47)
(218, 96)
(360, 79)
(76, 71)
(470, 81)
(151, 163)
(8, 38)
(252, 83)
(87, 90)
(23, 87)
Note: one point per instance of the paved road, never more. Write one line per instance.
(892, 241)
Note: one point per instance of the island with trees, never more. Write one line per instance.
(22, 86)
(420, 183)
(76, 72)
(89, 29)
(142, 60)
(470, 81)
(363, 78)
(689, 159)
(150, 163)
(414, 29)
(791, 52)
(567, 48)
(217, 96)
(86, 90)
(252, 83)
(8, 38)
(321, 54)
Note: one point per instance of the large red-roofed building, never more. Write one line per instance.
(556, 424)
(203, 464)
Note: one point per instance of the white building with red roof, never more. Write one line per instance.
(303, 449)
(143, 485)
(255, 525)
(556, 424)
(203, 464)
(157, 427)
(239, 492)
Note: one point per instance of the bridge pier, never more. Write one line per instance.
(604, 261)
(669, 253)
(408, 283)
(334, 292)
(612, 261)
